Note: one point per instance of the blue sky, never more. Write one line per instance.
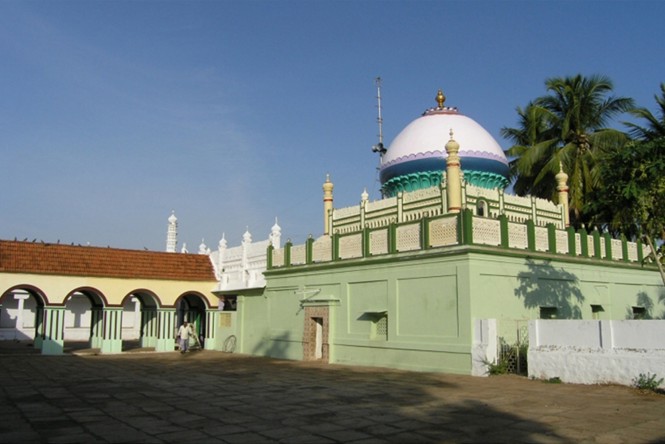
(114, 113)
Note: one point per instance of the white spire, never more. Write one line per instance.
(247, 237)
(172, 234)
(203, 248)
(275, 235)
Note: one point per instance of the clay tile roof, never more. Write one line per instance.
(56, 259)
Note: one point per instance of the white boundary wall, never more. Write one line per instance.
(485, 346)
(596, 352)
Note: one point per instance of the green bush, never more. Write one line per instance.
(499, 367)
(647, 382)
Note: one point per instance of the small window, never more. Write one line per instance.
(480, 208)
(548, 312)
(596, 310)
(639, 313)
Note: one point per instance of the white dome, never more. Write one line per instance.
(430, 133)
(417, 156)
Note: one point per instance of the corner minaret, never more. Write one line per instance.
(327, 204)
(275, 235)
(453, 178)
(562, 188)
(172, 234)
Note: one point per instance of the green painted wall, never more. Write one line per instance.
(430, 300)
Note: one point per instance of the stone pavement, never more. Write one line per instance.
(227, 398)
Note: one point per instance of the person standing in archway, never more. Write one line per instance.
(184, 332)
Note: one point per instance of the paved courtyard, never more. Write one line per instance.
(216, 397)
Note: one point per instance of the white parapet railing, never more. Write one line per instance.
(596, 352)
(449, 230)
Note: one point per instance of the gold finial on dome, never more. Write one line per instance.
(440, 98)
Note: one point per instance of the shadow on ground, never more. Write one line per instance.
(232, 398)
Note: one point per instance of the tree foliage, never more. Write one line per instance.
(631, 200)
(655, 124)
(568, 126)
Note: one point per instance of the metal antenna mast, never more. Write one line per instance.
(379, 148)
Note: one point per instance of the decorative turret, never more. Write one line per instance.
(275, 235)
(562, 188)
(203, 248)
(327, 204)
(172, 234)
(453, 178)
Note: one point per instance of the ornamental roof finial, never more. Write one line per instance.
(440, 98)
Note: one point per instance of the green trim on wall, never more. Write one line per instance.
(456, 251)
(551, 238)
(287, 253)
(531, 235)
(503, 224)
(572, 247)
(269, 256)
(596, 244)
(584, 243)
(309, 250)
(424, 236)
(365, 242)
(466, 228)
(608, 246)
(624, 248)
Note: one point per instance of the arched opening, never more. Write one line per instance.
(83, 322)
(139, 320)
(481, 208)
(191, 307)
(21, 310)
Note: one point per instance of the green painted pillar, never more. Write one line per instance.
(365, 242)
(584, 243)
(309, 250)
(166, 329)
(96, 327)
(551, 238)
(531, 235)
(210, 333)
(503, 227)
(287, 253)
(608, 246)
(624, 248)
(572, 245)
(466, 227)
(335, 247)
(269, 257)
(392, 238)
(112, 337)
(424, 233)
(53, 331)
(596, 244)
(148, 327)
(39, 327)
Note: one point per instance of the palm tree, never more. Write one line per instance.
(655, 125)
(567, 126)
(533, 144)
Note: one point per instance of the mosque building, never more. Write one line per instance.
(442, 268)
(432, 276)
